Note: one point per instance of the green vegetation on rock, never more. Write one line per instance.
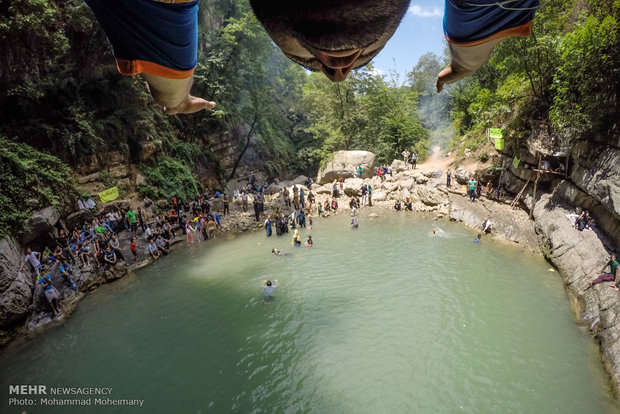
(30, 180)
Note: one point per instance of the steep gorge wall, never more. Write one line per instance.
(593, 183)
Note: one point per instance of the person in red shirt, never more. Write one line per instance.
(132, 246)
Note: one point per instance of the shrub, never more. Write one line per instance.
(168, 178)
(30, 180)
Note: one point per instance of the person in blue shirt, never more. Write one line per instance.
(109, 258)
(268, 226)
(67, 272)
(477, 239)
(50, 292)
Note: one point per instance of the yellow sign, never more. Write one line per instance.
(109, 194)
(496, 133)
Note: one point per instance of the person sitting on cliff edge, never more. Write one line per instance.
(159, 38)
(607, 277)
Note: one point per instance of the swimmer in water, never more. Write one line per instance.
(309, 241)
(276, 252)
(477, 239)
(354, 222)
(434, 230)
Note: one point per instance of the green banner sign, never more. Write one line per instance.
(109, 194)
(496, 133)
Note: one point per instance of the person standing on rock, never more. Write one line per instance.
(448, 178)
(140, 219)
(472, 189)
(226, 202)
(607, 277)
(406, 157)
(50, 292)
(32, 257)
(414, 159)
(256, 209)
(244, 200)
(261, 201)
(133, 222)
(302, 198)
(335, 189)
(364, 194)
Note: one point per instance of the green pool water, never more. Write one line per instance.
(382, 319)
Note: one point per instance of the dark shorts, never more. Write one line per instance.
(468, 23)
(150, 36)
(134, 226)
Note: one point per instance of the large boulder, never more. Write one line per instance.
(430, 196)
(325, 189)
(77, 218)
(399, 166)
(406, 183)
(115, 205)
(353, 186)
(344, 165)
(379, 196)
(390, 186)
(461, 175)
(15, 287)
(300, 180)
(40, 224)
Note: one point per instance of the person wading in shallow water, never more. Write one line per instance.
(269, 290)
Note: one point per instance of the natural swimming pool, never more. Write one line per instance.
(382, 319)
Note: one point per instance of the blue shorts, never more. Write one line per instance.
(149, 36)
(472, 22)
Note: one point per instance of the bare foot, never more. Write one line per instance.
(190, 105)
(451, 74)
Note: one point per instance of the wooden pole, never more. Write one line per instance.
(535, 186)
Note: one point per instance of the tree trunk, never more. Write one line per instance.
(245, 147)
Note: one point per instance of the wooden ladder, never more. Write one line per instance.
(516, 200)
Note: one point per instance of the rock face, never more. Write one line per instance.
(579, 256)
(42, 222)
(16, 288)
(77, 218)
(344, 165)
